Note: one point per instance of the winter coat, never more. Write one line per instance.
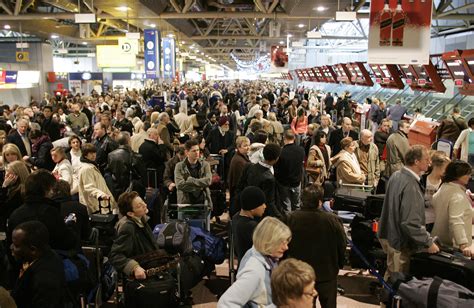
(316, 159)
(187, 185)
(397, 147)
(347, 170)
(92, 186)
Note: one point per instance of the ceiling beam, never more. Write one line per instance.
(18, 4)
(5, 7)
(257, 37)
(174, 15)
(273, 6)
(27, 5)
(450, 12)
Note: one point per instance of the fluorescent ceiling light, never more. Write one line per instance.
(289, 35)
(301, 26)
(153, 25)
(171, 35)
(54, 36)
(320, 8)
(346, 16)
(122, 8)
(84, 43)
(7, 27)
(281, 42)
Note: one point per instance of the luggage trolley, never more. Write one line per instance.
(197, 215)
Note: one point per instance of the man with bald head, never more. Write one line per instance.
(367, 154)
(341, 133)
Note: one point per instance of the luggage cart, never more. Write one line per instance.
(197, 215)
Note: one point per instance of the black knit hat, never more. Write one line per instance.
(251, 198)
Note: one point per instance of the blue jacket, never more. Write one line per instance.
(252, 285)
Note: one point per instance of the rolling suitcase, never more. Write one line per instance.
(104, 221)
(351, 197)
(153, 197)
(373, 206)
(445, 264)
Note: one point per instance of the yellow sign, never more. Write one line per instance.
(22, 56)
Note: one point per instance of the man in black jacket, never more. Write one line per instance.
(261, 175)
(19, 137)
(341, 133)
(289, 172)
(49, 125)
(154, 155)
(38, 206)
(122, 123)
(125, 167)
(318, 238)
(104, 145)
(41, 282)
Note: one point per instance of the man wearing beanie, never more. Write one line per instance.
(260, 175)
(252, 202)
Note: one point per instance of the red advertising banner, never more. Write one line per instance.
(2, 76)
(399, 31)
(279, 59)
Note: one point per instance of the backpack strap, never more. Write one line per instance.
(433, 292)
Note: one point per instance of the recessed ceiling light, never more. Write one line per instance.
(54, 36)
(153, 25)
(281, 42)
(171, 35)
(320, 8)
(301, 26)
(7, 27)
(183, 42)
(122, 8)
(289, 35)
(84, 43)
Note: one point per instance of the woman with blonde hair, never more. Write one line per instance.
(10, 154)
(431, 180)
(11, 198)
(252, 287)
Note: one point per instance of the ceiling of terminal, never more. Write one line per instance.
(214, 27)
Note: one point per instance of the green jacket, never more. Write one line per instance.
(134, 238)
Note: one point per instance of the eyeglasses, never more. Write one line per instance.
(313, 293)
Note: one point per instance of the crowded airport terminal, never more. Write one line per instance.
(236, 153)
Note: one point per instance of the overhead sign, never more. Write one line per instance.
(128, 46)
(169, 58)
(399, 32)
(152, 53)
(10, 76)
(112, 56)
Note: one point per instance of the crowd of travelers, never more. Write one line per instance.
(276, 147)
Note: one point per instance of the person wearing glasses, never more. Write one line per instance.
(293, 285)
(252, 287)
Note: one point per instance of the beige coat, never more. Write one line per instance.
(345, 170)
(316, 159)
(453, 211)
(397, 147)
(137, 140)
(373, 165)
(92, 186)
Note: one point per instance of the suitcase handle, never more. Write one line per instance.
(107, 206)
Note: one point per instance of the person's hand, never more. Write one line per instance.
(171, 186)
(139, 273)
(9, 179)
(223, 151)
(26, 157)
(433, 248)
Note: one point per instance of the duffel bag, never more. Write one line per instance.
(211, 248)
(174, 237)
(434, 292)
(154, 292)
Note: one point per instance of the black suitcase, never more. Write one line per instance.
(365, 238)
(352, 198)
(155, 292)
(446, 265)
(104, 222)
(373, 206)
(153, 198)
